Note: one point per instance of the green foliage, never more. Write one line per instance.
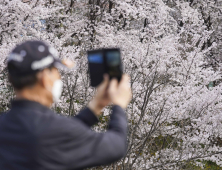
(208, 165)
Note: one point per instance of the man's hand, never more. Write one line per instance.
(120, 93)
(101, 98)
(111, 92)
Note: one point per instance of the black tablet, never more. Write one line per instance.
(103, 61)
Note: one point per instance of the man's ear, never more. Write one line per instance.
(40, 78)
(43, 78)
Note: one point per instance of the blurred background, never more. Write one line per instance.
(172, 50)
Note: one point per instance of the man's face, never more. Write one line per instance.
(49, 76)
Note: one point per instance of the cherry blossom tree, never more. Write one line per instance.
(174, 118)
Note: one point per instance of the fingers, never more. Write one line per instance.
(113, 85)
(125, 78)
(68, 63)
(125, 81)
(105, 82)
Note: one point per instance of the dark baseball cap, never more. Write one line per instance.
(32, 56)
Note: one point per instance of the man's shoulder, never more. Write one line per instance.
(2, 116)
(55, 124)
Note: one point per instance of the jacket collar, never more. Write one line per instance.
(25, 104)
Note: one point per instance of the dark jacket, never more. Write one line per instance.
(34, 137)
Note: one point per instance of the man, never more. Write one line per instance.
(33, 137)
